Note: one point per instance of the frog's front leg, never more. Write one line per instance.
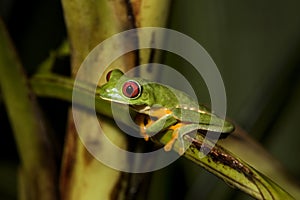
(159, 119)
(157, 122)
(143, 121)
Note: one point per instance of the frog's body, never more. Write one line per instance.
(170, 108)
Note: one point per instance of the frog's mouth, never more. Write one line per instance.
(140, 108)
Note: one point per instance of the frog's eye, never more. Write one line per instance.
(131, 89)
(108, 76)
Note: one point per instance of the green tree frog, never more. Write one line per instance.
(166, 108)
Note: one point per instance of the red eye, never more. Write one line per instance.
(108, 76)
(131, 89)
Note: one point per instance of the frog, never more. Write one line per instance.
(163, 108)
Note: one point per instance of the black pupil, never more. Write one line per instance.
(129, 90)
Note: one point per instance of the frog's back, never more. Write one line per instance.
(171, 98)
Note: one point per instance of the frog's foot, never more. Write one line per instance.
(143, 122)
(175, 136)
(145, 135)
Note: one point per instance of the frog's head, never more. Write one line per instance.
(125, 90)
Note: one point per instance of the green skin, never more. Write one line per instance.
(152, 97)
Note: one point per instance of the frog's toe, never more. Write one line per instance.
(181, 151)
(168, 147)
(146, 137)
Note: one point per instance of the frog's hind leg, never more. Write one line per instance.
(175, 133)
(179, 130)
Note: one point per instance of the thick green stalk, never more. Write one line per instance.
(88, 24)
(38, 169)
